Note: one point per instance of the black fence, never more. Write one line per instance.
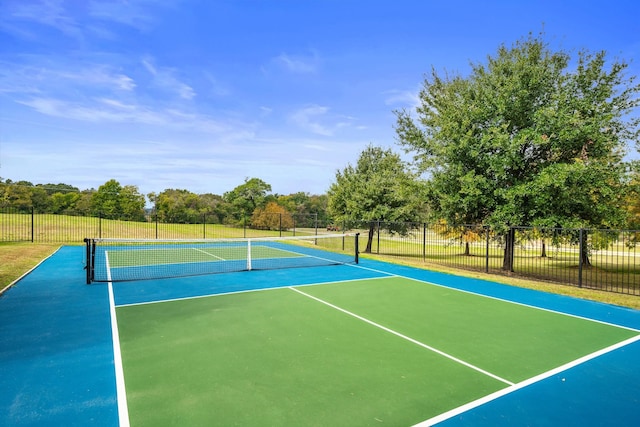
(607, 260)
(27, 225)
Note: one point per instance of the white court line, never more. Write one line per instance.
(527, 305)
(244, 291)
(391, 331)
(493, 396)
(121, 393)
(500, 299)
(205, 252)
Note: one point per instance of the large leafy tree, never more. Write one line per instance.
(177, 206)
(272, 217)
(528, 138)
(113, 201)
(379, 187)
(16, 194)
(633, 199)
(307, 209)
(245, 198)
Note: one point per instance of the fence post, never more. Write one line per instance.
(316, 223)
(513, 248)
(580, 263)
(424, 241)
(204, 225)
(486, 266)
(32, 223)
(280, 226)
(356, 248)
(378, 231)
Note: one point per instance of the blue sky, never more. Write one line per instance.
(201, 94)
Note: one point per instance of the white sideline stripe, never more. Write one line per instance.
(391, 331)
(527, 305)
(488, 398)
(246, 291)
(374, 270)
(212, 255)
(121, 393)
(501, 299)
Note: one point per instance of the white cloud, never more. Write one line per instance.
(51, 13)
(318, 120)
(98, 75)
(81, 20)
(216, 87)
(307, 119)
(131, 13)
(107, 110)
(63, 78)
(265, 111)
(299, 64)
(164, 78)
(405, 98)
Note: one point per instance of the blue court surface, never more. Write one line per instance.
(61, 364)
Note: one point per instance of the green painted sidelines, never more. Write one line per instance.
(390, 351)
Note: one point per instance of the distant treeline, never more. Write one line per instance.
(251, 200)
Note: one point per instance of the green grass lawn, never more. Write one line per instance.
(18, 258)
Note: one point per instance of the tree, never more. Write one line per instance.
(178, 206)
(306, 208)
(633, 198)
(64, 203)
(526, 140)
(272, 217)
(245, 198)
(464, 234)
(212, 206)
(379, 187)
(16, 194)
(132, 204)
(113, 201)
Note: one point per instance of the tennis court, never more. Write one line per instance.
(352, 344)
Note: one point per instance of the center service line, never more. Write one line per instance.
(435, 350)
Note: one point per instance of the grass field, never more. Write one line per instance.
(18, 258)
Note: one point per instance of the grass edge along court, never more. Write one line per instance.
(274, 362)
(57, 352)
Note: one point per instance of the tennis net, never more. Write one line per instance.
(111, 260)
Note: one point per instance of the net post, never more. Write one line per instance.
(249, 254)
(357, 260)
(87, 267)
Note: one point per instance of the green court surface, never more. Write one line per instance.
(382, 351)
